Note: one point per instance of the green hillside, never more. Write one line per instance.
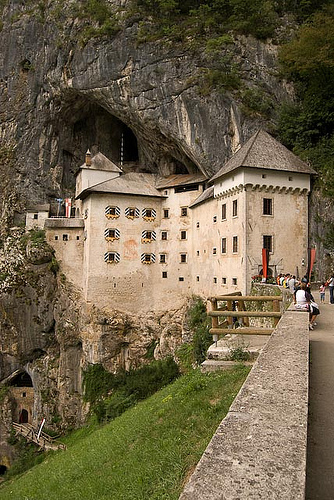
(146, 453)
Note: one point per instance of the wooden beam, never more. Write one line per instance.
(241, 331)
(246, 314)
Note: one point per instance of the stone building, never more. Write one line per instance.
(141, 241)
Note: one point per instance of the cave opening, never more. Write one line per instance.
(22, 379)
(3, 470)
(87, 125)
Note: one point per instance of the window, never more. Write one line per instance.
(235, 208)
(197, 278)
(163, 258)
(214, 251)
(234, 281)
(148, 236)
(197, 224)
(235, 244)
(111, 234)
(183, 257)
(184, 211)
(224, 211)
(164, 235)
(147, 258)
(183, 235)
(268, 242)
(149, 214)
(224, 245)
(166, 213)
(197, 252)
(267, 206)
(214, 219)
(215, 279)
(56, 237)
(35, 216)
(290, 179)
(181, 278)
(132, 212)
(111, 257)
(224, 281)
(78, 238)
(65, 237)
(112, 212)
(164, 274)
(264, 176)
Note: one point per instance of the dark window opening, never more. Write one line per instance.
(235, 244)
(268, 242)
(65, 237)
(183, 257)
(184, 211)
(35, 216)
(164, 274)
(267, 206)
(183, 235)
(224, 211)
(235, 208)
(166, 213)
(188, 187)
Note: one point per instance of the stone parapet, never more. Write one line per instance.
(259, 449)
(65, 222)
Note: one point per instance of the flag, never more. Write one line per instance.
(68, 205)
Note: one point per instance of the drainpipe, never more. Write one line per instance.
(245, 266)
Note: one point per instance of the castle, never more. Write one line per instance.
(139, 241)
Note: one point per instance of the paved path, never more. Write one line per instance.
(320, 454)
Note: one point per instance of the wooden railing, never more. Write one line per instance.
(235, 308)
(43, 440)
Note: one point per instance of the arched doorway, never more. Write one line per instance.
(24, 416)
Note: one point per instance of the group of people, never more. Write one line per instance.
(287, 281)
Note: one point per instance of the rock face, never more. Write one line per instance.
(59, 97)
(49, 334)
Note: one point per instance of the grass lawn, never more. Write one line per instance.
(146, 453)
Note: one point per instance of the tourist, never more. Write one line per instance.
(304, 302)
(331, 289)
(322, 291)
(292, 284)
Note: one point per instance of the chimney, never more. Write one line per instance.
(88, 158)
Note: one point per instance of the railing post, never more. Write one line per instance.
(212, 306)
(276, 308)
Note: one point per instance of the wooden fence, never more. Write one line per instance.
(234, 307)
